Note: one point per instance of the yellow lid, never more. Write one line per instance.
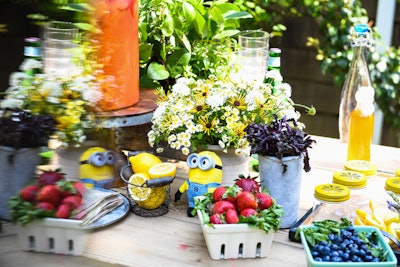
(365, 167)
(397, 173)
(393, 184)
(332, 192)
(350, 179)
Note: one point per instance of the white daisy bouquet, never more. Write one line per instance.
(68, 99)
(197, 113)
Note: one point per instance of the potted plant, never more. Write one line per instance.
(216, 111)
(282, 149)
(22, 135)
(68, 99)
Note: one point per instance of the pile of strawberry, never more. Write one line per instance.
(51, 196)
(244, 202)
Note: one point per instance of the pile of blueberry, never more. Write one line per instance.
(345, 247)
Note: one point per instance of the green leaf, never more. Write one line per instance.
(189, 12)
(200, 25)
(145, 52)
(177, 61)
(167, 27)
(157, 71)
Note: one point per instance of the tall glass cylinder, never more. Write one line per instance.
(118, 52)
(356, 111)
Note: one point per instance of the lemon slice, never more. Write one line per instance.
(358, 221)
(137, 186)
(360, 213)
(393, 229)
(369, 220)
(143, 161)
(163, 169)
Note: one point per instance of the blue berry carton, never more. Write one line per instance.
(391, 260)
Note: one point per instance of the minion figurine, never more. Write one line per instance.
(97, 167)
(205, 174)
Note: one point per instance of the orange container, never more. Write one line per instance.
(118, 52)
(360, 136)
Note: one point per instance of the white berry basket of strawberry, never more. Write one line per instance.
(238, 223)
(44, 212)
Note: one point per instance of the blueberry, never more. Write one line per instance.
(326, 258)
(368, 258)
(325, 250)
(318, 259)
(337, 259)
(323, 243)
(334, 254)
(346, 256)
(314, 254)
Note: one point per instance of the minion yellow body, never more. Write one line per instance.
(205, 174)
(97, 167)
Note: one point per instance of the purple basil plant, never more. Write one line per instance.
(280, 139)
(21, 129)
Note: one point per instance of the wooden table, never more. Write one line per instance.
(177, 240)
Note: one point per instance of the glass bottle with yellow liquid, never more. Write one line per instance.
(356, 113)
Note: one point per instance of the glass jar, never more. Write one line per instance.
(331, 201)
(393, 184)
(357, 183)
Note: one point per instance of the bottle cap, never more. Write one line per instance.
(393, 184)
(351, 179)
(365, 167)
(332, 192)
(361, 28)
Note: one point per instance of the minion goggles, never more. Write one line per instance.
(204, 163)
(99, 159)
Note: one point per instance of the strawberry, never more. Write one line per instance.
(218, 193)
(72, 201)
(248, 212)
(248, 184)
(231, 216)
(245, 200)
(216, 219)
(29, 193)
(80, 188)
(63, 211)
(222, 206)
(49, 193)
(264, 200)
(47, 206)
(50, 177)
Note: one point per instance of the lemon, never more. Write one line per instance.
(358, 221)
(163, 169)
(369, 220)
(155, 199)
(143, 161)
(137, 186)
(379, 213)
(361, 214)
(393, 229)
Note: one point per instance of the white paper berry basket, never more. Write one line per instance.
(233, 241)
(51, 235)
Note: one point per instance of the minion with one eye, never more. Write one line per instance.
(205, 174)
(97, 167)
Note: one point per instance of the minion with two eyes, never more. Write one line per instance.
(205, 174)
(97, 168)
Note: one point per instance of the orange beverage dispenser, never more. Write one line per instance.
(118, 52)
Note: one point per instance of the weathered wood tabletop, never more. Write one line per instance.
(177, 240)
